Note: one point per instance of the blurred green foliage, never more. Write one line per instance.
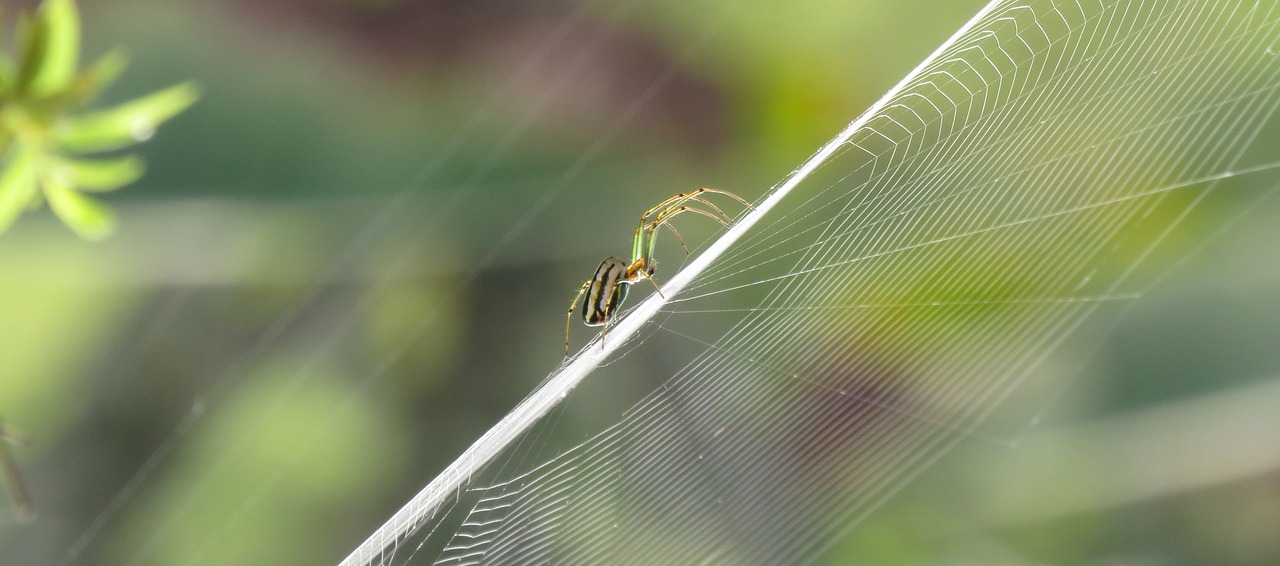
(43, 134)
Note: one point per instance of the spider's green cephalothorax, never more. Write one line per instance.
(608, 288)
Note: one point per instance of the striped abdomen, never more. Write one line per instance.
(607, 291)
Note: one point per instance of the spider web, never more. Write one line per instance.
(1022, 180)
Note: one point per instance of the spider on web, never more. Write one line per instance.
(606, 290)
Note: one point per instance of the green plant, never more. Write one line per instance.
(44, 131)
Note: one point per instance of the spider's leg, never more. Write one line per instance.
(646, 275)
(642, 241)
(640, 268)
(672, 201)
(646, 243)
(568, 315)
(674, 204)
(713, 207)
(678, 238)
(671, 214)
(725, 193)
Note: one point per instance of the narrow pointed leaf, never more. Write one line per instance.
(87, 217)
(32, 34)
(17, 188)
(99, 174)
(128, 123)
(102, 73)
(108, 67)
(59, 21)
(8, 76)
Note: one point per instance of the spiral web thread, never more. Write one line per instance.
(1031, 172)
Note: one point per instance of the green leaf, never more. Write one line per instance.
(126, 124)
(86, 216)
(7, 76)
(99, 174)
(104, 71)
(94, 79)
(17, 187)
(55, 48)
(31, 37)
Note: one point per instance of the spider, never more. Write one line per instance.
(606, 290)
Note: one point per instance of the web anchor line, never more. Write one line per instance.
(405, 522)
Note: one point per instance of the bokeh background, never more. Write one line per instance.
(353, 255)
